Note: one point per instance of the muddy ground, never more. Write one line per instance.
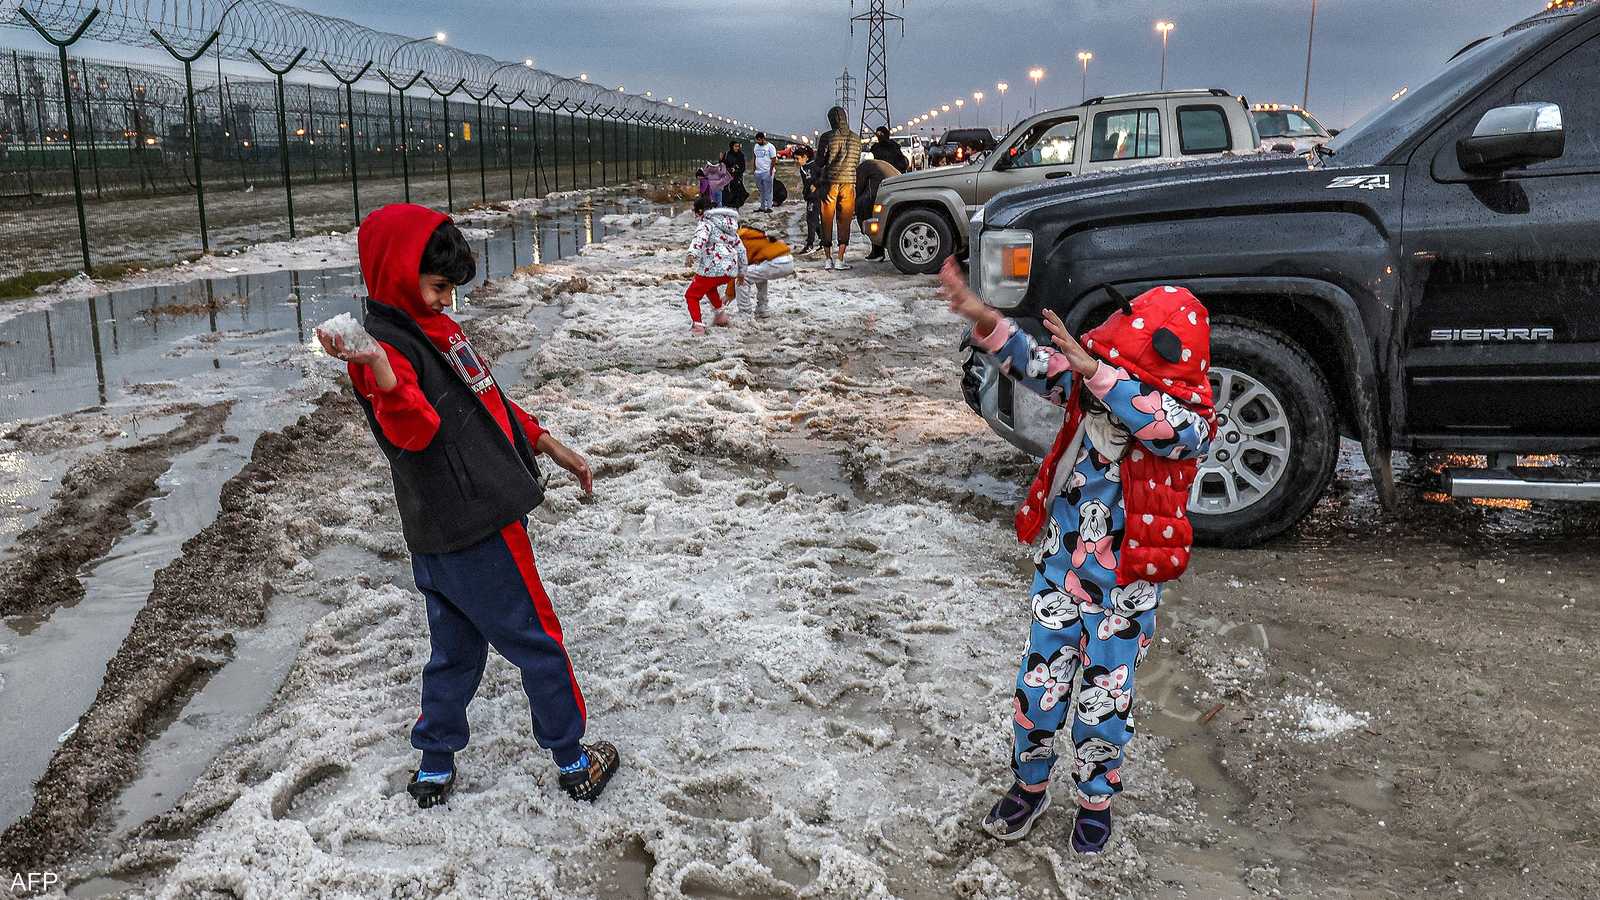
(797, 608)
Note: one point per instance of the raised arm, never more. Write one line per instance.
(1158, 421)
(404, 414)
(1039, 368)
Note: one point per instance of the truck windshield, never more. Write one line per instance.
(1381, 131)
(1286, 123)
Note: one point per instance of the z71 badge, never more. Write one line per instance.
(1364, 182)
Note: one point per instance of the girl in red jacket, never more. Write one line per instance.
(1110, 499)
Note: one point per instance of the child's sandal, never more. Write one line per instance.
(1013, 815)
(1091, 833)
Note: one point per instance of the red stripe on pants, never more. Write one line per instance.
(516, 538)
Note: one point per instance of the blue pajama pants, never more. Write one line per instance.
(1090, 634)
(490, 595)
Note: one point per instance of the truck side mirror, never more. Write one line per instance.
(1511, 136)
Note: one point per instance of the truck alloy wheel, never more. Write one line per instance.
(1251, 449)
(919, 242)
(1277, 437)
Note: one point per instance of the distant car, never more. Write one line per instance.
(960, 146)
(915, 150)
(922, 217)
(787, 152)
(1288, 127)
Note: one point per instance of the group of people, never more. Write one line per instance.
(839, 184)
(723, 180)
(1106, 511)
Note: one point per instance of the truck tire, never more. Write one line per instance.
(919, 242)
(1277, 438)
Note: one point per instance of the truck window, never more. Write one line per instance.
(1569, 82)
(1053, 142)
(1126, 134)
(1203, 129)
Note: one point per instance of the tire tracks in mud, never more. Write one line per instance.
(94, 506)
(221, 581)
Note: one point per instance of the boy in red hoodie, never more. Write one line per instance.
(465, 478)
(1113, 490)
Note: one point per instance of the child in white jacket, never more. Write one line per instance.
(717, 257)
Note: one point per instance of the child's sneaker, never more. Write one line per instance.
(1091, 831)
(722, 320)
(592, 772)
(1013, 815)
(840, 265)
(827, 263)
(430, 789)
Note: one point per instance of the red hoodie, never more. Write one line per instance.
(390, 244)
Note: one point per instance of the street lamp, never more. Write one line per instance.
(1166, 29)
(977, 97)
(1036, 73)
(960, 103)
(1002, 87)
(1311, 34)
(1083, 57)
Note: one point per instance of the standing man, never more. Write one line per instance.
(765, 155)
(886, 149)
(838, 155)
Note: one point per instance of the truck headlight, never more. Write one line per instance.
(1005, 263)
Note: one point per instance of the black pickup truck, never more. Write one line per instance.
(1427, 281)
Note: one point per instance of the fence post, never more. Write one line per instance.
(61, 46)
(538, 152)
(311, 133)
(605, 177)
(483, 142)
(405, 134)
(449, 167)
(88, 115)
(194, 123)
(283, 125)
(511, 148)
(350, 126)
(588, 142)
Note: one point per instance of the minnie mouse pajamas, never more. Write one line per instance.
(1087, 630)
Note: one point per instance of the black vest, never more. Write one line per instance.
(469, 482)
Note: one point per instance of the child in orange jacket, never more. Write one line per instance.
(770, 259)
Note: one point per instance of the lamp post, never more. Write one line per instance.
(960, 105)
(1311, 34)
(405, 132)
(1002, 87)
(483, 134)
(1083, 57)
(1036, 73)
(1166, 29)
(977, 114)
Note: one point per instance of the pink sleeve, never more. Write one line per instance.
(995, 339)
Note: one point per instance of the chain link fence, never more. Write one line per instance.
(346, 152)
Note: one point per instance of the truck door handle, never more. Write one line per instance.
(1062, 174)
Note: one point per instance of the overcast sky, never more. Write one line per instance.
(773, 62)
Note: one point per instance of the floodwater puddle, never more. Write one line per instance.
(87, 352)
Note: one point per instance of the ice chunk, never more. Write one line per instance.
(345, 326)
